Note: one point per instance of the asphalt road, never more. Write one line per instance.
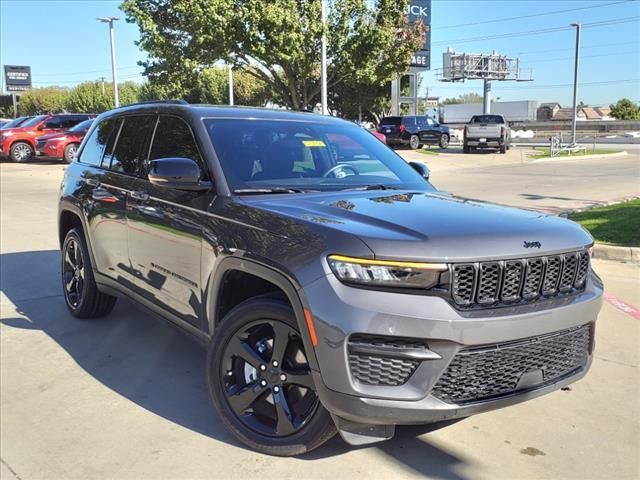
(124, 397)
(548, 185)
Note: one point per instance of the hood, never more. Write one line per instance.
(431, 226)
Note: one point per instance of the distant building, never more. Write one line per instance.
(547, 111)
(565, 114)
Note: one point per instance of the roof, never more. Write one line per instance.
(604, 111)
(550, 104)
(567, 114)
(591, 113)
(225, 111)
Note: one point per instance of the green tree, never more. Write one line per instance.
(88, 97)
(625, 109)
(277, 42)
(43, 100)
(464, 98)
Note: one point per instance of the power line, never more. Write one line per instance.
(581, 48)
(613, 21)
(556, 12)
(581, 57)
(533, 85)
(67, 74)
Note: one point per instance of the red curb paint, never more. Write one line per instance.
(622, 305)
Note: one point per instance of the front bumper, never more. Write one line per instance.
(340, 311)
(48, 151)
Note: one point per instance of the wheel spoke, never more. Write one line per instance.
(242, 398)
(69, 284)
(281, 334)
(301, 378)
(242, 349)
(67, 258)
(76, 254)
(285, 425)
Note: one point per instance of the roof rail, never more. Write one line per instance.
(152, 102)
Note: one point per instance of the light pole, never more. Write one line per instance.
(323, 61)
(110, 20)
(575, 85)
(230, 86)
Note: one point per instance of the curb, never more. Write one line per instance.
(619, 254)
(580, 157)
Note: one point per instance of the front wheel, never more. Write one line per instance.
(414, 142)
(21, 152)
(503, 149)
(444, 141)
(466, 149)
(70, 152)
(260, 381)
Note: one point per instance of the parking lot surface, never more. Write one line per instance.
(125, 397)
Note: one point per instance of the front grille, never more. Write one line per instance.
(491, 371)
(384, 368)
(507, 282)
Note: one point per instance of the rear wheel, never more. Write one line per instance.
(503, 149)
(81, 293)
(414, 142)
(260, 381)
(444, 141)
(465, 149)
(70, 152)
(21, 152)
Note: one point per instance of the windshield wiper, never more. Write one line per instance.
(258, 191)
(378, 186)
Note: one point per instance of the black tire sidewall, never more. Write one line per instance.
(319, 428)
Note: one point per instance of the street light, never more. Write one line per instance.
(323, 60)
(110, 21)
(575, 85)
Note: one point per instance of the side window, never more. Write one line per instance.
(173, 138)
(94, 147)
(68, 122)
(131, 144)
(53, 122)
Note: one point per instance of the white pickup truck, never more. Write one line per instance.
(487, 131)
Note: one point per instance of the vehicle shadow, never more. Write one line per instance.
(153, 364)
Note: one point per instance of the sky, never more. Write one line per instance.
(65, 45)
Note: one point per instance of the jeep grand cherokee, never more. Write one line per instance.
(336, 289)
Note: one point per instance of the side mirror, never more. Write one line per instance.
(42, 126)
(421, 168)
(178, 173)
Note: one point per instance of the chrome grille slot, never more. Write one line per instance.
(522, 280)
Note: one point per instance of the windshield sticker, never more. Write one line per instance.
(313, 143)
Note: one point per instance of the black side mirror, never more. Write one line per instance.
(421, 168)
(178, 173)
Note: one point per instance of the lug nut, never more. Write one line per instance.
(276, 389)
(283, 377)
(275, 363)
(263, 367)
(263, 383)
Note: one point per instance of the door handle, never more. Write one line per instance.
(92, 182)
(138, 195)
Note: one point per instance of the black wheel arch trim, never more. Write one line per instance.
(282, 281)
(71, 205)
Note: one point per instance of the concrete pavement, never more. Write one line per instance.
(125, 397)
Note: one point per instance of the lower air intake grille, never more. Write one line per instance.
(491, 371)
(382, 369)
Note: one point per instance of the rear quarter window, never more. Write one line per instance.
(95, 145)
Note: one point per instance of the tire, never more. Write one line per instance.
(465, 149)
(414, 142)
(21, 152)
(70, 151)
(81, 294)
(230, 375)
(444, 141)
(503, 149)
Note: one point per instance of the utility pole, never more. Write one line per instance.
(110, 21)
(103, 90)
(575, 85)
(323, 61)
(230, 86)
(487, 97)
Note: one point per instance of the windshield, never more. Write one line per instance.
(82, 126)
(33, 121)
(262, 154)
(487, 119)
(13, 123)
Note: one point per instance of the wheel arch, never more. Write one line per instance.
(279, 283)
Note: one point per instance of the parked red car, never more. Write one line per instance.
(63, 145)
(19, 143)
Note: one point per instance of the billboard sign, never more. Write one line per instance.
(420, 11)
(17, 78)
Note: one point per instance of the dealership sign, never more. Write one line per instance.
(17, 78)
(420, 11)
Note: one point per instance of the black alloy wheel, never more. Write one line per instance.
(73, 273)
(268, 382)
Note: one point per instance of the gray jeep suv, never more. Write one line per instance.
(335, 288)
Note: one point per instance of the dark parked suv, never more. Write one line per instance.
(335, 288)
(414, 131)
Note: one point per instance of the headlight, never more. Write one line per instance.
(383, 273)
